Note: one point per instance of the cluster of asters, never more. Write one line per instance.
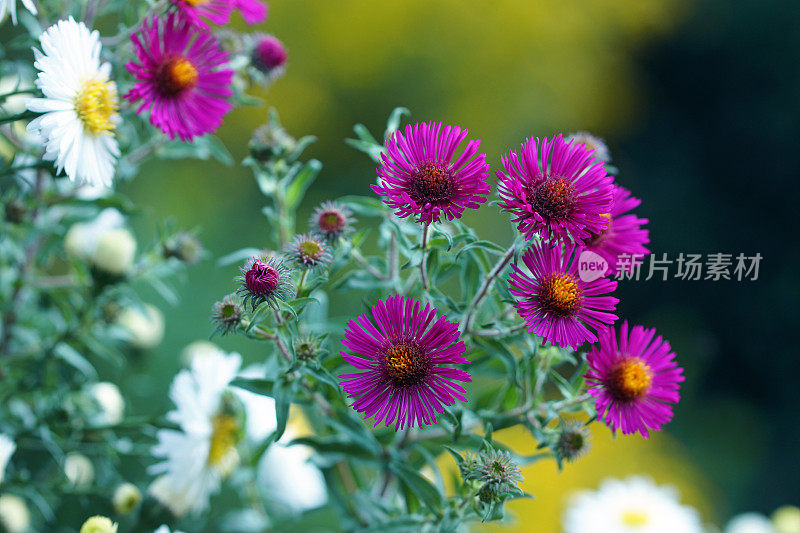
(182, 80)
(269, 277)
(563, 201)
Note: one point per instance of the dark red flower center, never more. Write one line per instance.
(559, 295)
(176, 76)
(630, 378)
(262, 278)
(331, 221)
(431, 183)
(405, 363)
(553, 199)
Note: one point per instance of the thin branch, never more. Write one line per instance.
(484, 288)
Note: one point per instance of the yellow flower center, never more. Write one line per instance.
(195, 2)
(224, 436)
(559, 294)
(630, 379)
(405, 364)
(95, 104)
(310, 250)
(176, 76)
(633, 518)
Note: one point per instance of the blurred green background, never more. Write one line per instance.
(699, 104)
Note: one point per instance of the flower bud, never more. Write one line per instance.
(79, 470)
(14, 514)
(786, 519)
(271, 141)
(14, 211)
(110, 401)
(99, 524)
(127, 497)
(115, 252)
(572, 442)
(269, 56)
(227, 314)
(145, 326)
(184, 247)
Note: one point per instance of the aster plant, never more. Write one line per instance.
(388, 338)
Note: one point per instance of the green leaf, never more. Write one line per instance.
(394, 120)
(71, 356)
(363, 205)
(238, 256)
(423, 489)
(374, 151)
(487, 246)
(296, 190)
(260, 386)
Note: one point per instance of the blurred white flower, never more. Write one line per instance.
(115, 252)
(198, 349)
(203, 452)
(14, 514)
(144, 326)
(10, 6)
(78, 469)
(165, 529)
(127, 497)
(284, 472)
(110, 401)
(786, 519)
(749, 523)
(82, 238)
(79, 106)
(7, 448)
(634, 505)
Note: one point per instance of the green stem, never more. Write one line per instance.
(25, 115)
(484, 288)
(423, 267)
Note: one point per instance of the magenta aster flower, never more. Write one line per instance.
(556, 303)
(331, 220)
(634, 381)
(181, 79)
(418, 175)
(264, 279)
(198, 12)
(308, 251)
(555, 188)
(624, 234)
(269, 55)
(252, 11)
(405, 357)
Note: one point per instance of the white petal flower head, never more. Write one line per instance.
(7, 448)
(203, 452)
(79, 106)
(634, 505)
(11, 7)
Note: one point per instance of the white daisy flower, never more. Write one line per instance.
(165, 529)
(7, 448)
(80, 104)
(10, 6)
(634, 505)
(284, 472)
(203, 452)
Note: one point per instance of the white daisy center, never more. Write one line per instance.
(95, 104)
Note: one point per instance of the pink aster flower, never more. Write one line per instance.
(252, 11)
(181, 77)
(308, 251)
(198, 12)
(555, 188)
(624, 234)
(555, 302)
(407, 378)
(331, 220)
(418, 175)
(634, 381)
